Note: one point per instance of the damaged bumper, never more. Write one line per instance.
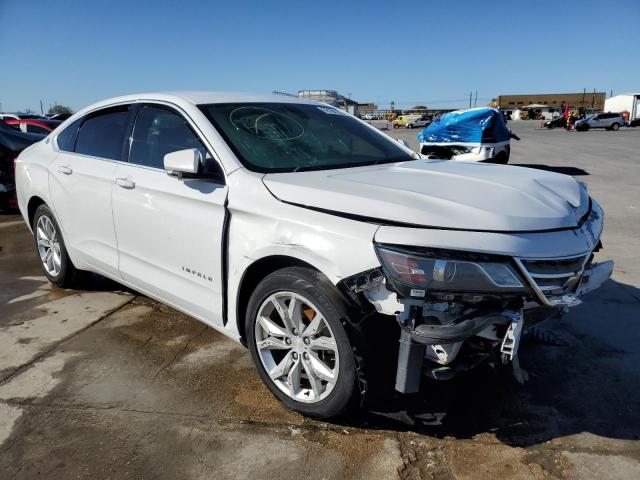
(459, 309)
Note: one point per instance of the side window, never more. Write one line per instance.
(159, 131)
(67, 138)
(102, 134)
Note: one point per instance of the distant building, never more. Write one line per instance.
(588, 100)
(366, 107)
(331, 97)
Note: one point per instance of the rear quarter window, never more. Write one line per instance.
(66, 139)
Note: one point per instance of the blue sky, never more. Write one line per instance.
(78, 51)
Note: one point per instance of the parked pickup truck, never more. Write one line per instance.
(299, 230)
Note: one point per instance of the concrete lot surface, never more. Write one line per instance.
(104, 383)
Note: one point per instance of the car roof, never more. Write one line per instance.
(205, 97)
(192, 98)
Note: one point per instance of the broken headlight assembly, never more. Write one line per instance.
(414, 273)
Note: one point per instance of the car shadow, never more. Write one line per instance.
(573, 171)
(94, 282)
(583, 377)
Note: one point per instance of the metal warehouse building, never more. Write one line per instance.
(587, 100)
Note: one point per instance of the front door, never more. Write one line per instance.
(169, 230)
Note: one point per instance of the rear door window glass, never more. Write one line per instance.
(102, 134)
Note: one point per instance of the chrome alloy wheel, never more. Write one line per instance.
(48, 245)
(297, 347)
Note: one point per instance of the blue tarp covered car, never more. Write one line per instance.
(477, 134)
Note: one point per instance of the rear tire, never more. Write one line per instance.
(51, 249)
(615, 127)
(311, 373)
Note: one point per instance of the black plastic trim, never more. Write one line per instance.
(443, 334)
(225, 263)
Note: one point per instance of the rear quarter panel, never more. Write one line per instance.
(32, 175)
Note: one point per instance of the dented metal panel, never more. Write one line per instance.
(261, 226)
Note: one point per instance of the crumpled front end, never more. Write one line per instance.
(458, 308)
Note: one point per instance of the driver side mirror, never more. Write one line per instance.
(183, 162)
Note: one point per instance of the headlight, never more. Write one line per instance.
(413, 274)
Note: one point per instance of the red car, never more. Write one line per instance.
(43, 127)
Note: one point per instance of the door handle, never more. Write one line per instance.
(125, 183)
(65, 170)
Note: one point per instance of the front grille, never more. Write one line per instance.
(554, 275)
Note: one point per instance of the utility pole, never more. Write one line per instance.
(584, 92)
(41, 109)
(470, 98)
(475, 102)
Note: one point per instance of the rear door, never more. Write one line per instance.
(80, 180)
(169, 230)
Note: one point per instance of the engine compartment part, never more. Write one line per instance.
(410, 358)
(451, 325)
(443, 354)
(511, 340)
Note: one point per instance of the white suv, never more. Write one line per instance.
(610, 121)
(302, 231)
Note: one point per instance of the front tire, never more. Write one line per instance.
(294, 328)
(51, 249)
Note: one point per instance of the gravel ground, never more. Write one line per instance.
(104, 383)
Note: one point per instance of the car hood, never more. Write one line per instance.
(440, 194)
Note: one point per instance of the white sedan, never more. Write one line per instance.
(302, 232)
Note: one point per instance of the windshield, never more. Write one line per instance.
(290, 137)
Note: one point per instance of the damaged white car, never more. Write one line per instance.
(293, 227)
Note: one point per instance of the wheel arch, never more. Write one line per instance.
(34, 202)
(252, 276)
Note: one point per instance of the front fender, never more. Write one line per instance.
(261, 226)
